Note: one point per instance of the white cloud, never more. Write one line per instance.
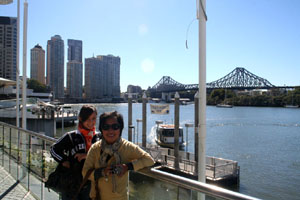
(147, 65)
(143, 29)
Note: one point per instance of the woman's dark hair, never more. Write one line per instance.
(85, 112)
(107, 115)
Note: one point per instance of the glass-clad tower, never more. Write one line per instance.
(8, 47)
(55, 66)
(102, 77)
(74, 69)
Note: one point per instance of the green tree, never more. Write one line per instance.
(37, 86)
(244, 100)
(261, 100)
(216, 96)
(277, 101)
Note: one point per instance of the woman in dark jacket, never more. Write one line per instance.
(73, 146)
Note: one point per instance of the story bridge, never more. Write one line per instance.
(239, 78)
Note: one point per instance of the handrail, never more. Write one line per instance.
(43, 137)
(208, 189)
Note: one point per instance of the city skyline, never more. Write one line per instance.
(150, 37)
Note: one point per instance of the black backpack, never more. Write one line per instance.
(65, 180)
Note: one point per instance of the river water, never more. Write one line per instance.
(264, 141)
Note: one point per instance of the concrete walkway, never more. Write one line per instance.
(10, 189)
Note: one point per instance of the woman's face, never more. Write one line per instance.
(90, 122)
(111, 130)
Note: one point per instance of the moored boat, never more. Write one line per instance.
(224, 106)
(291, 106)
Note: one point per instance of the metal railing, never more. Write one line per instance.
(25, 155)
(207, 189)
(216, 168)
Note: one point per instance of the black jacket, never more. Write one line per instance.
(69, 144)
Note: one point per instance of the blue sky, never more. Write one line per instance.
(262, 36)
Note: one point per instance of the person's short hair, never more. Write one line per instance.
(114, 114)
(85, 112)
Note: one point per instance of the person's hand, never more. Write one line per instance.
(107, 171)
(123, 171)
(80, 156)
(66, 164)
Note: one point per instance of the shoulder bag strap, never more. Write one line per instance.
(86, 177)
(69, 134)
(73, 145)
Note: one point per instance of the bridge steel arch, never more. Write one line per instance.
(239, 78)
(167, 84)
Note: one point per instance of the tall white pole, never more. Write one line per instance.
(202, 90)
(24, 87)
(18, 72)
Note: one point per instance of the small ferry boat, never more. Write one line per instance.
(165, 136)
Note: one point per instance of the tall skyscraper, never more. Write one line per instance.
(55, 66)
(75, 50)
(8, 47)
(37, 66)
(102, 77)
(74, 69)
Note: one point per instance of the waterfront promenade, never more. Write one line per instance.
(10, 189)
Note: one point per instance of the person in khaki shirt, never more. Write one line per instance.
(112, 157)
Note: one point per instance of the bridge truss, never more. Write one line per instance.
(166, 83)
(239, 78)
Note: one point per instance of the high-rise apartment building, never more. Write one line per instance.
(74, 69)
(75, 50)
(37, 64)
(102, 77)
(55, 66)
(8, 47)
(134, 89)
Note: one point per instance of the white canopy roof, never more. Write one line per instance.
(6, 82)
(3, 2)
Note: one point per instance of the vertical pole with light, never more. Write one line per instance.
(18, 86)
(201, 15)
(24, 79)
(24, 157)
